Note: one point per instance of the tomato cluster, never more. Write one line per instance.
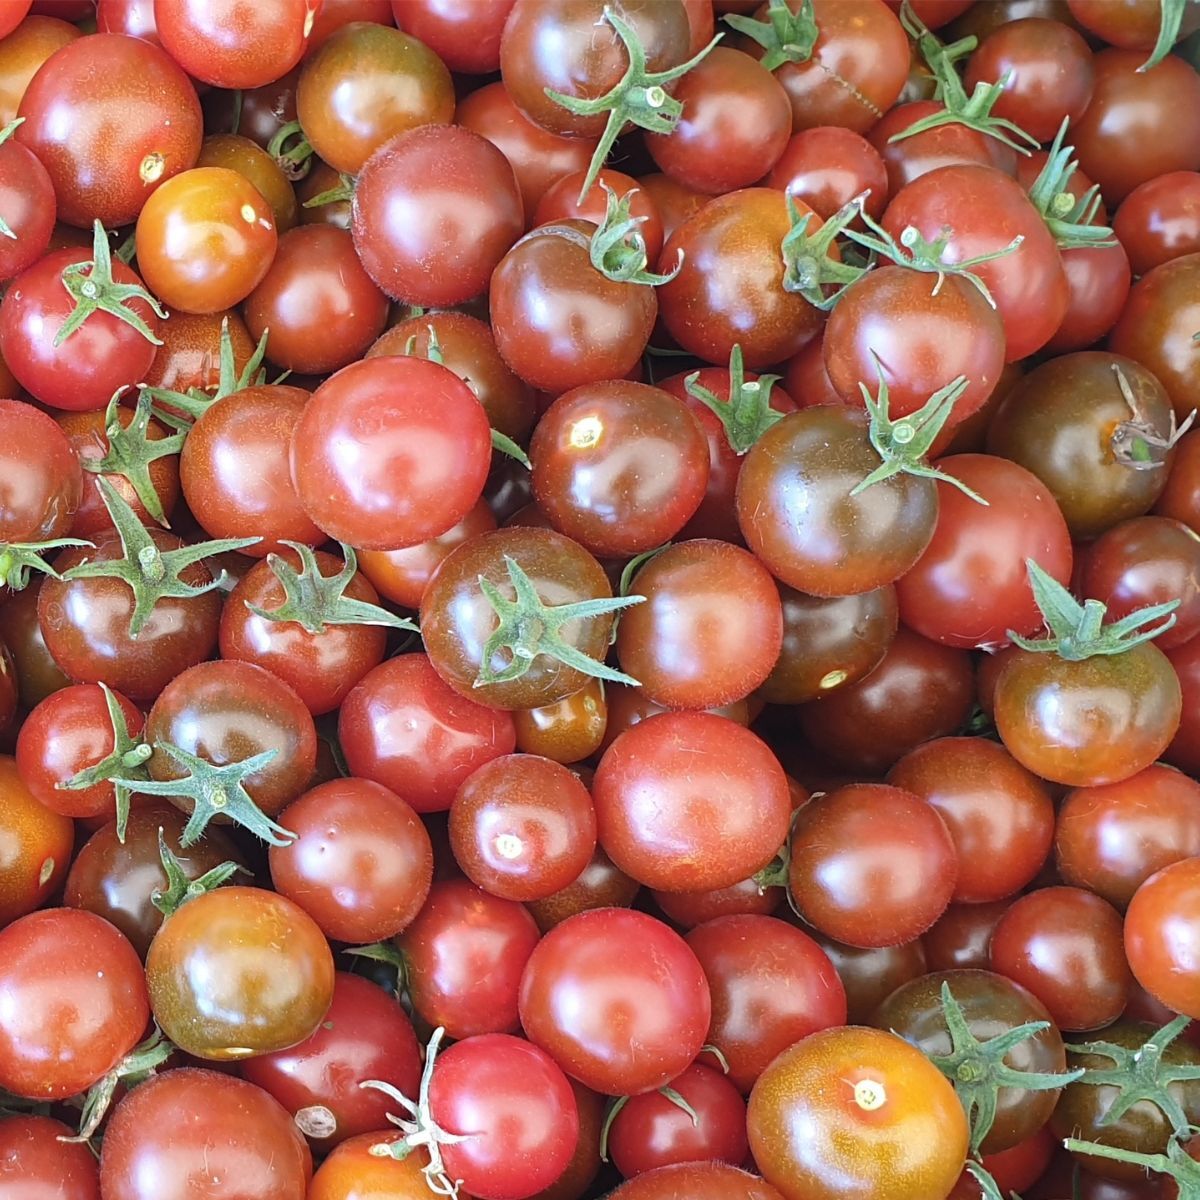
(599, 598)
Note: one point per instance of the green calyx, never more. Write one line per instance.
(903, 443)
(808, 268)
(19, 559)
(387, 953)
(1141, 1074)
(639, 97)
(973, 111)
(1168, 32)
(619, 1102)
(131, 450)
(527, 628)
(215, 792)
(978, 1070)
(785, 36)
(123, 766)
(1136, 443)
(5, 134)
(617, 248)
(195, 402)
(180, 889)
(1068, 218)
(136, 1067)
(92, 287)
(918, 253)
(315, 601)
(290, 148)
(747, 414)
(1077, 631)
(342, 190)
(1176, 1162)
(151, 573)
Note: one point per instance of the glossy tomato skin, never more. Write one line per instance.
(365, 1035)
(464, 35)
(992, 1005)
(870, 975)
(35, 846)
(961, 936)
(619, 1026)
(117, 879)
(1085, 723)
(406, 729)
(42, 484)
(73, 1002)
(33, 1156)
(390, 452)
(248, 158)
(827, 167)
(771, 985)
(1098, 280)
(190, 355)
(716, 823)
(258, 1148)
(908, 1134)
(362, 863)
(111, 118)
(567, 731)
(352, 1172)
(696, 1181)
(601, 884)
(102, 355)
(238, 972)
(521, 1108)
(1162, 936)
(562, 202)
(434, 211)
(23, 52)
(27, 201)
(464, 954)
(970, 587)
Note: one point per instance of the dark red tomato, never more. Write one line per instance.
(736, 122)
(27, 208)
(619, 1024)
(627, 706)
(434, 212)
(696, 1181)
(1180, 498)
(322, 667)
(87, 433)
(1160, 220)
(9, 694)
(1132, 25)
(919, 690)
(134, 18)
(35, 846)
(567, 731)
(1065, 945)
(538, 157)
(771, 986)
(322, 178)
(861, 1107)
(961, 937)
(366, 85)
(235, 471)
(1184, 750)
(37, 674)
(562, 203)
(1162, 934)
(746, 898)
(1098, 279)
(673, 202)
(190, 354)
(686, 802)
(41, 484)
(232, 44)
(111, 118)
(72, 1002)
(599, 885)
(464, 955)
(828, 166)
(1140, 124)
(1111, 838)
(522, 827)
(85, 623)
(518, 1109)
(118, 880)
(856, 69)
(999, 815)
(319, 304)
(354, 1167)
(67, 733)
(248, 158)
(729, 290)
(870, 975)
(1047, 69)
(917, 335)
(558, 321)
(1158, 326)
(871, 865)
(986, 210)
(365, 1035)
(406, 729)
(35, 1157)
(158, 1146)
(970, 587)
(680, 644)
(99, 357)
(390, 452)
(1144, 561)
(1099, 720)
(651, 1130)
(798, 514)
(465, 34)
(361, 865)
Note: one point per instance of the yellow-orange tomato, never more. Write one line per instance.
(35, 846)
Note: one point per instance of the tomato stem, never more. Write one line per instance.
(196, 402)
(293, 156)
(180, 889)
(785, 36)
(808, 267)
(617, 249)
(1170, 20)
(747, 414)
(1176, 1162)
(1136, 443)
(1067, 217)
(18, 559)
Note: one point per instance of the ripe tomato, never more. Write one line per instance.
(35, 846)
(1161, 935)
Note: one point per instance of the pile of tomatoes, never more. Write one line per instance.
(599, 598)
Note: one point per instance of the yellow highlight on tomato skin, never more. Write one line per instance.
(586, 433)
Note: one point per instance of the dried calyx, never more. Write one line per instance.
(1137, 443)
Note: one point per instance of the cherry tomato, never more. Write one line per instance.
(41, 484)
(33, 1156)
(1161, 934)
